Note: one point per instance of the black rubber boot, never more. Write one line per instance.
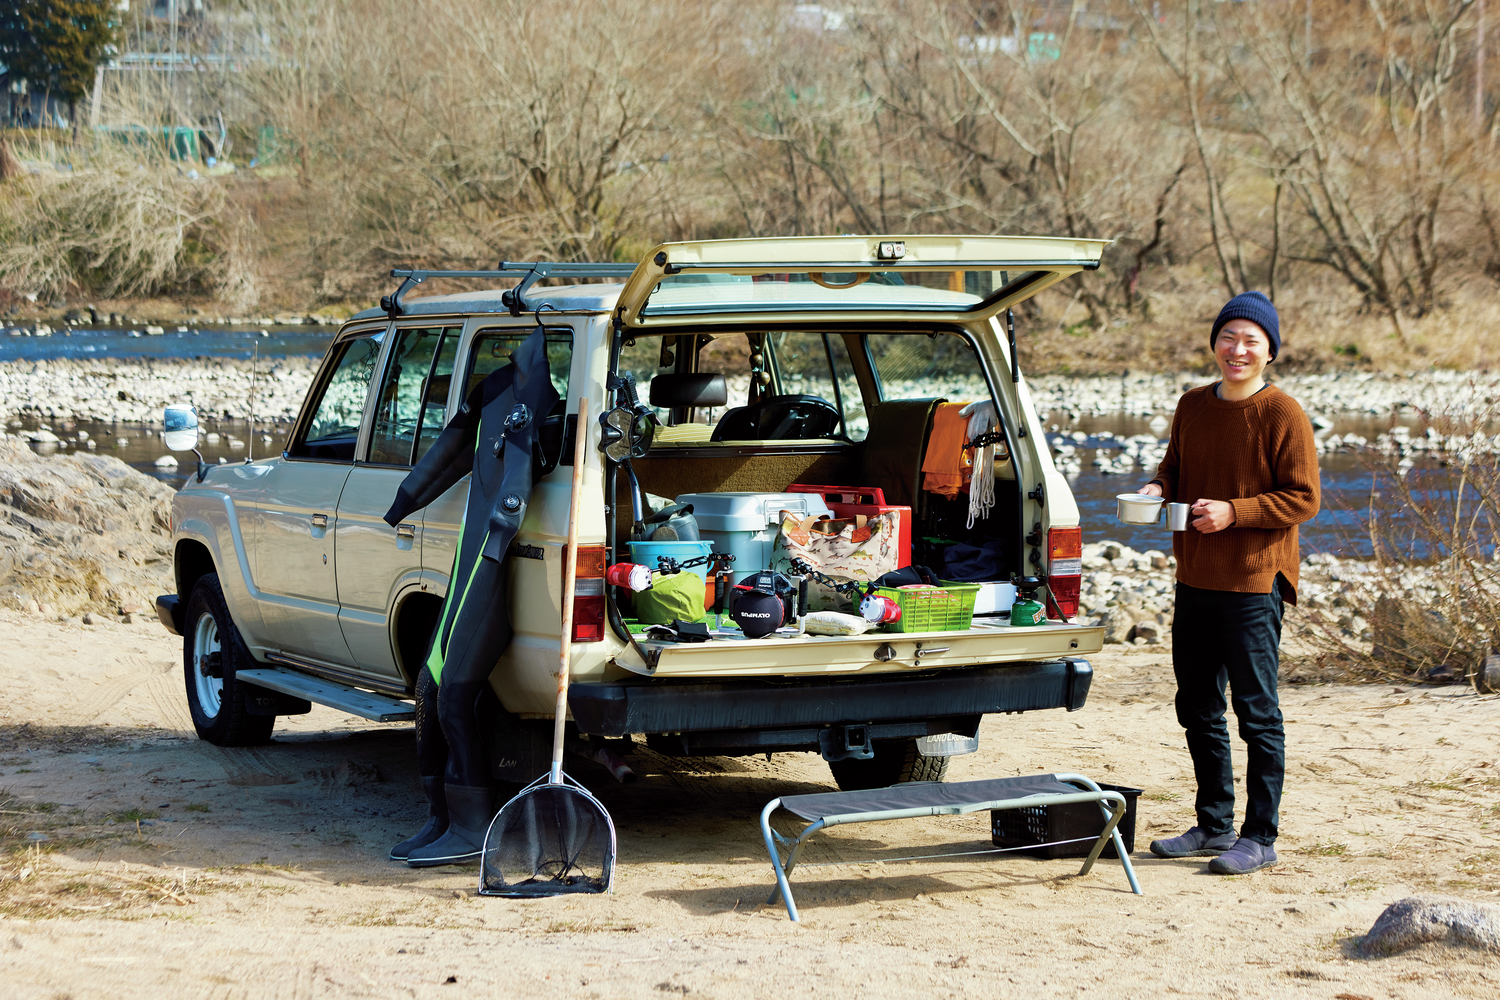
(437, 820)
(470, 810)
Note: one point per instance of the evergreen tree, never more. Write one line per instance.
(55, 45)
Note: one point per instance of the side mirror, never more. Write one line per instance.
(181, 424)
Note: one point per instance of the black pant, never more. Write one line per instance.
(1219, 636)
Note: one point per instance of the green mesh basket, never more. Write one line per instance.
(949, 609)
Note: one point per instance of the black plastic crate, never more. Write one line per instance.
(1018, 828)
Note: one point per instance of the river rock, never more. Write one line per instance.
(135, 390)
(81, 531)
(1119, 623)
(165, 462)
(1416, 920)
(1487, 675)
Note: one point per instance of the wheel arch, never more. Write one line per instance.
(190, 563)
(414, 617)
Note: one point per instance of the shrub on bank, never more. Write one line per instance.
(123, 222)
(1430, 597)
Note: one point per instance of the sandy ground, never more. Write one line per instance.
(141, 862)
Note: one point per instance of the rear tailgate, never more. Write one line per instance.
(841, 278)
(872, 653)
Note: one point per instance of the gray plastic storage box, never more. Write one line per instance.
(746, 524)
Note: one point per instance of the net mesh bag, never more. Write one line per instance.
(549, 840)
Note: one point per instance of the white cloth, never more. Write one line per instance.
(982, 418)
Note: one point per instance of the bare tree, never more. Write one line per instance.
(1378, 170)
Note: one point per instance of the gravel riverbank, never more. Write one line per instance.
(135, 391)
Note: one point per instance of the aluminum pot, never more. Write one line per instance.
(1137, 508)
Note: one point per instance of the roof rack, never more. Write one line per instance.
(530, 271)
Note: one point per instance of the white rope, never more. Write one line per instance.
(982, 418)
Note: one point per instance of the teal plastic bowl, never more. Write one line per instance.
(646, 553)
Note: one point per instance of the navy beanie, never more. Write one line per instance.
(1257, 309)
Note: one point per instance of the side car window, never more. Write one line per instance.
(412, 394)
(334, 427)
(919, 365)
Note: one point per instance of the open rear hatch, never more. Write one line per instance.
(844, 278)
(685, 295)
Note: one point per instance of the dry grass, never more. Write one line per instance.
(1431, 595)
(115, 221)
(455, 133)
(34, 884)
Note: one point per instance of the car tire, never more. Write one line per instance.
(211, 645)
(895, 762)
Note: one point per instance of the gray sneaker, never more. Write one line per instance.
(1193, 844)
(1244, 857)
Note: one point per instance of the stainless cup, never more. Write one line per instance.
(1177, 515)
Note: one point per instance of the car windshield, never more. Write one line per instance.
(921, 291)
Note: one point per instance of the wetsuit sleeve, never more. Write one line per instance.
(450, 458)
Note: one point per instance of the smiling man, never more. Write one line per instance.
(1242, 453)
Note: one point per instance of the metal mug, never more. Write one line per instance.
(1178, 515)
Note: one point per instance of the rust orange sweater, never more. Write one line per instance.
(1259, 455)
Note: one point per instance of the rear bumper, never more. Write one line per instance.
(687, 706)
(170, 612)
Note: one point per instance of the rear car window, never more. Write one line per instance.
(492, 350)
(923, 365)
(920, 291)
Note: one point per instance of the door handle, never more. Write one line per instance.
(406, 531)
(931, 651)
(320, 520)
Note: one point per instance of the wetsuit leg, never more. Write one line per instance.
(481, 631)
(432, 746)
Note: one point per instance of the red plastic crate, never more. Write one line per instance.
(849, 501)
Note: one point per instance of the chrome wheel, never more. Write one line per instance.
(208, 665)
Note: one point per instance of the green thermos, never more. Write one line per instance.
(1027, 610)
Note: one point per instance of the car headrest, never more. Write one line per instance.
(690, 389)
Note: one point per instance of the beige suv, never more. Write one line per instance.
(834, 354)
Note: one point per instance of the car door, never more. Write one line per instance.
(296, 507)
(376, 562)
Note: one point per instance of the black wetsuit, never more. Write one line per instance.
(493, 436)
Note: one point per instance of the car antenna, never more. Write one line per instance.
(250, 437)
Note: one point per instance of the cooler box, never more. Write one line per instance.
(848, 501)
(746, 524)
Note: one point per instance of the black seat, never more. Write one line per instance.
(779, 418)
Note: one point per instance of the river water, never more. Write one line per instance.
(1338, 528)
(188, 342)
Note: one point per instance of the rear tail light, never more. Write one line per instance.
(588, 595)
(1064, 571)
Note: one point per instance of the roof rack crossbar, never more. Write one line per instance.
(530, 272)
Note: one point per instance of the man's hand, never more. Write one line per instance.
(1212, 515)
(1150, 490)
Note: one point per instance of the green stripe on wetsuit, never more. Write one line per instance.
(438, 654)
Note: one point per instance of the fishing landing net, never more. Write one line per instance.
(551, 839)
